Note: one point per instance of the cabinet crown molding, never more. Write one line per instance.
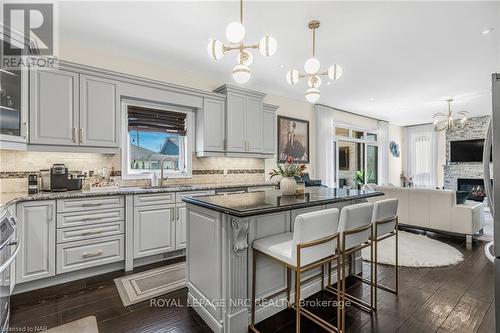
(224, 89)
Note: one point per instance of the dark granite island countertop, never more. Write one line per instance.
(271, 201)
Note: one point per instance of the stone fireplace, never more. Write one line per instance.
(472, 172)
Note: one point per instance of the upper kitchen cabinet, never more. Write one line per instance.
(13, 104)
(210, 126)
(99, 121)
(54, 110)
(69, 109)
(244, 116)
(269, 128)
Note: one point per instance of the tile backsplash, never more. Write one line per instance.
(16, 165)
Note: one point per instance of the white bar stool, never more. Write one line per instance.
(385, 225)
(313, 243)
(355, 230)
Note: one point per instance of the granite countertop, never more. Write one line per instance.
(270, 201)
(13, 197)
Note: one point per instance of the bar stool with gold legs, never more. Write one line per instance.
(313, 243)
(385, 225)
(355, 229)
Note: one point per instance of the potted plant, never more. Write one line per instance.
(288, 171)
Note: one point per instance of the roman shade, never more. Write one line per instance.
(154, 120)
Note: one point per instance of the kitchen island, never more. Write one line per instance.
(220, 230)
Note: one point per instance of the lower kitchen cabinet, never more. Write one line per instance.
(154, 230)
(36, 230)
(180, 226)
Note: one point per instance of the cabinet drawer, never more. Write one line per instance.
(180, 195)
(73, 256)
(261, 188)
(154, 199)
(72, 205)
(89, 232)
(101, 216)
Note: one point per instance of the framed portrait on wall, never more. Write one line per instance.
(293, 139)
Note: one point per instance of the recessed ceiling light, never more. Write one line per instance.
(372, 99)
(487, 31)
(328, 83)
(282, 66)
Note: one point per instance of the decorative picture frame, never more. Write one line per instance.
(293, 139)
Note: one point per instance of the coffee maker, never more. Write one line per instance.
(58, 178)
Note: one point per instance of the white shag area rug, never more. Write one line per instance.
(415, 251)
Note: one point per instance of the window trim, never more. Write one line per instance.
(189, 138)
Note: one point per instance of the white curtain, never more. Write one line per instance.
(421, 151)
(383, 151)
(325, 155)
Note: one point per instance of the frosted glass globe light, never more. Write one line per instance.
(235, 32)
(312, 95)
(312, 66)
(292, 76)
(314, 81)
(215, 49)
(241, 74)
(249, 58)
(268, 46)
(335, 72)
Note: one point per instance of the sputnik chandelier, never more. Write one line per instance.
(449, 121)
(235, 34)
(312, 68)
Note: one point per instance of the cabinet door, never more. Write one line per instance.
(153, 230)
(213, 125)
(99, 121)
(36, 231)
(269, 132)
(180, 226)
(235, 127)
(253, 124)
(54, 107)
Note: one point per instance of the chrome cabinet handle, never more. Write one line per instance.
(73, 134)
(177, 213)
(91, 218)
(92, 254)
(81, 135)
(25, 124)
(92, 232)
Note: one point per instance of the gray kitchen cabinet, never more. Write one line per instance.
(269, 128)
(210, 126)
(36, 231)
(244, 114)
(236, 141)
(180, 226)
(99, 120)
(54, 110)
(154, 230)
(253, 124)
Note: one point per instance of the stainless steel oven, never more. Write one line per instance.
(9, 247)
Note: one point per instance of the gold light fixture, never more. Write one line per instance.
(312, 68)
(449, 121)
(235, 34)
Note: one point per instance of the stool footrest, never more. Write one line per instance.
(365, 306)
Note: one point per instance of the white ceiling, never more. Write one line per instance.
(401, 60)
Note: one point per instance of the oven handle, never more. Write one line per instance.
(6, 242)
(12, 257)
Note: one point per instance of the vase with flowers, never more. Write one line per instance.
(288, 171)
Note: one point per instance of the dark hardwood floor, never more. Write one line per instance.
(455, 299)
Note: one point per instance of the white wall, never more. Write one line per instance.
(288, 107)
(395, 163)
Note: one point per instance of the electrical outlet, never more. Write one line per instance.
(225, 172)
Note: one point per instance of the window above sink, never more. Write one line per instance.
(157, 133)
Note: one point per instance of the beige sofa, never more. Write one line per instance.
(435, 210)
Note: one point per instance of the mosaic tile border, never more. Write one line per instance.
(117, 173)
